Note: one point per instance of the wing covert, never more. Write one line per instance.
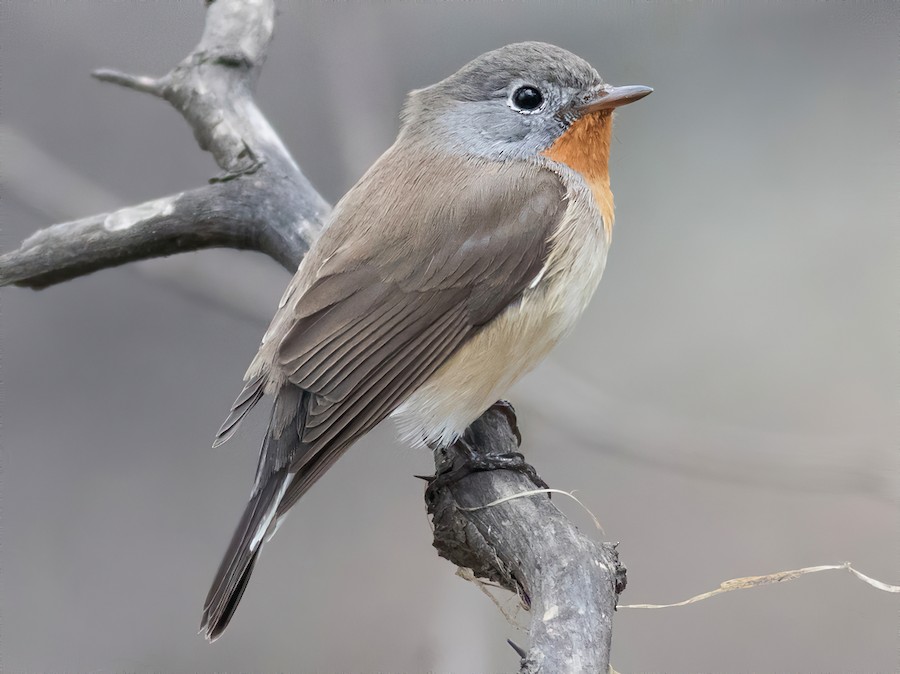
(399, 281)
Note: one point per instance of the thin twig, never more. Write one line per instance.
(749, 582)
(147, 85)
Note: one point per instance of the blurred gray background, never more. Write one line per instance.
(727, 407)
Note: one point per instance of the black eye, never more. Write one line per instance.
(527, 98)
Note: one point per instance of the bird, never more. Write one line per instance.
(446, 273)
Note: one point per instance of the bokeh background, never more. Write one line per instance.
(727, 407)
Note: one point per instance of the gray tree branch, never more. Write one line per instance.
(262, 201)
(569, 583)
(206, 217)
(274, 210)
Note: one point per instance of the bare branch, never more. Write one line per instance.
(569, 582)
(147, 85)
(217, 216)
(263, 202)
(212, 87)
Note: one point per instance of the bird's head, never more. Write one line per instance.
(516, 101)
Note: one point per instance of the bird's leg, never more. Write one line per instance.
(473, 460)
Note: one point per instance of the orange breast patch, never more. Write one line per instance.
(584, 147)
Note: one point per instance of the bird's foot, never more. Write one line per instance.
(475, 462)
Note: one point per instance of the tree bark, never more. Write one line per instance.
(263, 202)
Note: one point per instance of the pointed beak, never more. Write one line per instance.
(609, 97)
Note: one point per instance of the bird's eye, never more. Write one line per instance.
(526, 99)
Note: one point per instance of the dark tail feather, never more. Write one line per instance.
(281, 446)
(249, 396)
(234, 571)
(213, 627)
(307, 476)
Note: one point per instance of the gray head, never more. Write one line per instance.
(514, 101)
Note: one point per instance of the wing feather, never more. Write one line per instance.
(371, 317)
(320, 370)
(418, 256)
(371, 409)
(410, 358)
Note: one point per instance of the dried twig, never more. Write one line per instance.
(748, 582)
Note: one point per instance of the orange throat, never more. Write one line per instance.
(584, 147)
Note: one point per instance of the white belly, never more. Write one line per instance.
(489, 363)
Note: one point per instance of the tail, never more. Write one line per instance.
(287, 468)
(257, 523)
(260, 519)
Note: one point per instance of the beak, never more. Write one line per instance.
(609, 97)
